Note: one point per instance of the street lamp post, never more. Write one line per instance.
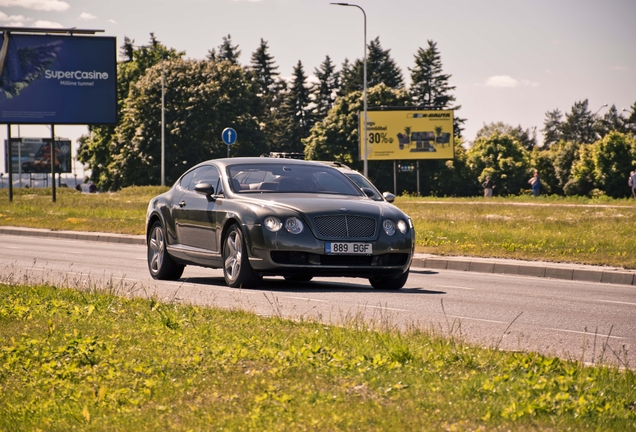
(163, 129)
(364, 89)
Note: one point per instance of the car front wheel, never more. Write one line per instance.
(389, 283)
(160, 264)
(236, 267)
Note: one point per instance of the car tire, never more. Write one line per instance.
(237, 270)
(160, 264)
(390, 284)
(298, 278)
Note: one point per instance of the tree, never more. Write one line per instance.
(504, 159)
(226, 51)
(203, 97)
(630, 121)
(98, 146)
(612, 121)
(264, 69)
(552, 128)
(381, 69)
(337, 138)
(296, 112)
(325, 90)
(614, 157)
(579, 124)
(527, 137)
(563, 155)
(430, 87)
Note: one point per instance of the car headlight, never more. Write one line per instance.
(401, 225)
(294, 225)
(272, 223)
(389, 226)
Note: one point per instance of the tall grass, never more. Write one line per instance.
(73, 359)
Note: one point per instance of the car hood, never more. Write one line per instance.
(317, 204)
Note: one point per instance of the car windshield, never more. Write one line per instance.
(362, 181)
(283, 178)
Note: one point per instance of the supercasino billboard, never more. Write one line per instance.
(53, 79)
(408, 134)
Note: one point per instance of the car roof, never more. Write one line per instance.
(225, 162)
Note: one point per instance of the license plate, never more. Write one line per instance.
(348, 248)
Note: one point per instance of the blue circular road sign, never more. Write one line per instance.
(229, 136)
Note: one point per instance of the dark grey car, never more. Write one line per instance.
(256, 217)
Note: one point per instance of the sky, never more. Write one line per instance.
(510, 61)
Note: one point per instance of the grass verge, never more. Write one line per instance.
(91, 360)
(578, 230)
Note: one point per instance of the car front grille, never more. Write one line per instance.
(345, 226)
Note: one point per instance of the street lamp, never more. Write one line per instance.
(597, 111)
(364, 88)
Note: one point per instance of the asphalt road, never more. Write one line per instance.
(579, 320)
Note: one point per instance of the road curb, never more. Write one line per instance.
(574, 272)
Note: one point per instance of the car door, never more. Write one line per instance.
(195, 217)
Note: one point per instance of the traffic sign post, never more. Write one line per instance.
(229, 137)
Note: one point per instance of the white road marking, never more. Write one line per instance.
(307, 298)
(586, 333)
(383, 307)
(617, 302)
(456, 287)
(477, 319)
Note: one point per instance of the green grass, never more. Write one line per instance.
(545, 230)
(89, 360)
(597, 231)
(123, 212)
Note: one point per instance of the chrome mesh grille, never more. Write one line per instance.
(345, 226)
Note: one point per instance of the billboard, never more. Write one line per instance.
(56, 79)
(33, 155)
(408, 134)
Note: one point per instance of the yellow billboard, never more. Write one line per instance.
(408, 134)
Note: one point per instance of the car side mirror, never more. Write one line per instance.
(204, 188)
(368, 191)
(389, 196)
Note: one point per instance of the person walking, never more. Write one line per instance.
(488, 186)
(535, 183)
(632, 183)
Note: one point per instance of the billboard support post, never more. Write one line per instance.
(53, 159)
(394, 177)
(10, 163)
(417, 173)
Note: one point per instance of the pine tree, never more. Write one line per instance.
(226, 51)
(381, 68)
(325, 90)
(429, 85)
(552, 128)
(295, 111)
(579, 124)
(264, 68)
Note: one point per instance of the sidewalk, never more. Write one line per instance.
(576, 272)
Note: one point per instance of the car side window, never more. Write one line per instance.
(185, 180)
(205, 174)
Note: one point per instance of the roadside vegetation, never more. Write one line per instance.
(596, 231)
(93, 360)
